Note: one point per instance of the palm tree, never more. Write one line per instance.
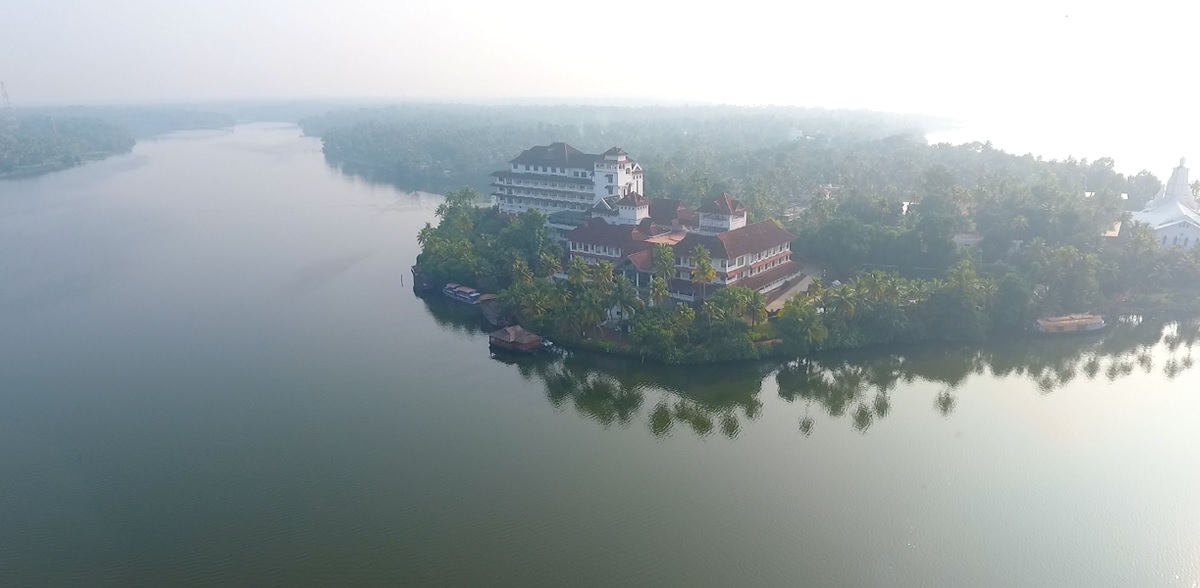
(756, 306)
(799, 315)
(587, 309)
(987, 290)
(658, 290)
(577, 271)
(624, 296)
(602, 277)
(664, 261)
(842, 302)
(425, 235)
(521, 273)
(684, 317)
(703, 273)
(534, 303)
(549, 264)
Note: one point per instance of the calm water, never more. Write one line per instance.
(212, 373)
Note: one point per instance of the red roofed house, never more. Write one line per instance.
(756, 256)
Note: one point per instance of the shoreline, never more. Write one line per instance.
(774, 353)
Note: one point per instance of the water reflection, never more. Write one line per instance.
(852, 388)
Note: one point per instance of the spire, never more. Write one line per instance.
(1178, 188)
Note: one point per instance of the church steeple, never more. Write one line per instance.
(1178, 188)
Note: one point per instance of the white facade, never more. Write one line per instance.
(1173, 212)
(615, 174)
(712, 224)
(557, 177)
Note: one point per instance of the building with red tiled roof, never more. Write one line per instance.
(756, 256)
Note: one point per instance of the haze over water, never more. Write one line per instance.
(213, 372)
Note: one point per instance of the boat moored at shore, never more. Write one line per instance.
(1071, 323)
(462, 293)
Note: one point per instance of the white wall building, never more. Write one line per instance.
(558, 177)
(1173, 212)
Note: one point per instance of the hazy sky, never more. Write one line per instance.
(1082, 70)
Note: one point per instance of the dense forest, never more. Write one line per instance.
(142, 122)
(439, 148)
(32, 144)
(774, 159)
(935, 289)
(37, 140)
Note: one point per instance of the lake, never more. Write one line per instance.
(213, 371)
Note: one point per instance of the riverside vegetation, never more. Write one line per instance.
(879, 211)
(977, 292)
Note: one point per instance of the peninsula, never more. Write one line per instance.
(578, 253)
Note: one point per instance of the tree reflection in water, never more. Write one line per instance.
(719, 399)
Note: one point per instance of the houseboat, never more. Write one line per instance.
(462, 293)
(1071, 323)
(515, 339)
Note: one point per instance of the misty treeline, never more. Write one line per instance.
(773, 159)
(31, 143)
(688, 152)
(48, 138)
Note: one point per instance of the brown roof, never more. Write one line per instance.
(558, 155)
(664, 210)
(783, 270)
(515, 334)
(643, 260)
(759, 236)
(633, 199)
(598, 232)
(724, 204)
(616, 151)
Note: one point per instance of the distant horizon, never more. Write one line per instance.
(952, 130)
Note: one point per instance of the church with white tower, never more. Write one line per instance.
(1173, 212)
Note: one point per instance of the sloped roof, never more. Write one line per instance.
(643, 260)
(598, 232)
(753, 238)
(515, 334)
(783, 270)
(633, 199)
(664, 210)
(1167, 214)
(724, 204)
(616, 151)
(557, 155)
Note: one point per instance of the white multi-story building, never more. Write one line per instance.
(558, 177)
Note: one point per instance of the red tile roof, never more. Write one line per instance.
(598, 232)
(754, 238)
(786, 269)
(724, 204)
(643, 260)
